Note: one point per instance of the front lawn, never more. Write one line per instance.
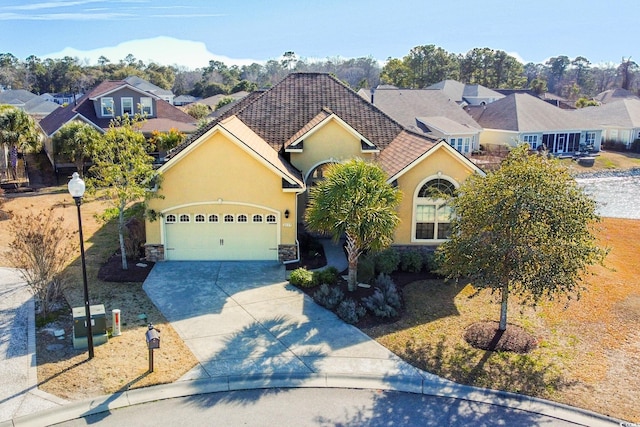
(589, 350)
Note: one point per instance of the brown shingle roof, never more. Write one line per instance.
(167, 116)
(294, 105)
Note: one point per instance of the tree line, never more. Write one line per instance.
(424, 65)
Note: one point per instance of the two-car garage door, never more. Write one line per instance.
(221, 236)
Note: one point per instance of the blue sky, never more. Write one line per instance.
(243, 31)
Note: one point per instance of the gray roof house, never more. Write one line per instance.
(146, 86)
(520, 118)
(111, 99)
(30, 103)
(613, 95)
(620, 121)
(465, 94)
(430, 112)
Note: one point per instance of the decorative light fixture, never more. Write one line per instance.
(286, 213)
(76, 189)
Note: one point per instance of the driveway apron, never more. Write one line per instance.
(244, 319)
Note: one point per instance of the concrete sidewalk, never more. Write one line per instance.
(19, 394)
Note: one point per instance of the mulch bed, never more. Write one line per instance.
(487, 336)
(111, 270)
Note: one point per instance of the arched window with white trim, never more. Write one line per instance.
(432, 216)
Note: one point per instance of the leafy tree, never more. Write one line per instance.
(525, 228)
(396, 72)
(75, 140)
(224, 101)
(41, 249)
(355, 200)
(166, 140)
(198, 110)
(538, 86)
(124, 170)
(586, 102)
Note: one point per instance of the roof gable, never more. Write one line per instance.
(317, 123)
(520, 112)
(623, 113)
(240, 134)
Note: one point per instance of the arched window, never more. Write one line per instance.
(170, 219)
(271, 219)
(242, 218)
(257, 218)
(199, 218)
(213, 218)
(228, 218)
(432, 215)
(185, 218)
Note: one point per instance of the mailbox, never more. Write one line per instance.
(153, 337)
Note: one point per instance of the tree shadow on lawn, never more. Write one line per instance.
(518, 373)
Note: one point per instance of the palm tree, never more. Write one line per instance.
(356, 201)
(74, 141)
(17, 129)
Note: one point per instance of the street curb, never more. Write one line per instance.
(444, 388)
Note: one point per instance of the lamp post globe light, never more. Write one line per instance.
(76, 189)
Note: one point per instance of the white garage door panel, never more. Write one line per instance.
(221, 241)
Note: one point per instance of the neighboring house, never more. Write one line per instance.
(237, 190)
(620, 121)
(613, 95)
(111, 99)
(146, 86)
(182, 100)
(428, 111)
(30, 103)
(213, 101)
(551, 98)
(465, 94)
(62, 98)
(520, 117)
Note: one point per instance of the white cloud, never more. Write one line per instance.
(162, 50)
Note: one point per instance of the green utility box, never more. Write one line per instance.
(98, 326)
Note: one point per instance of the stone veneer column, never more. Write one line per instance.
(154, 252)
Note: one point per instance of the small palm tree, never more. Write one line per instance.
(75, 140)
(356, 201)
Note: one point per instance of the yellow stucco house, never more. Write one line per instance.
(237, 189)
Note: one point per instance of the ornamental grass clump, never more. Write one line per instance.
(328, 296)
(351, 311)
(385, 301)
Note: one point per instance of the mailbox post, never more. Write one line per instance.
(153, 341)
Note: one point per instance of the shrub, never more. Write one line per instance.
(387, 261)
(431, 262)
(385, 301)
(41, 249)
(328, 296)
(366, 268)
(302, 277)
(411, 261)
(613, 145)
(350, 311)
(328, 275)
(635, 146)
(377, 305)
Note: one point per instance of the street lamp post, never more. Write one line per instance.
(76, 189)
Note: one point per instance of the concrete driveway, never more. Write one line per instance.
(245, 319)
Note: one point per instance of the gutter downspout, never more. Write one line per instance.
(291, 261)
